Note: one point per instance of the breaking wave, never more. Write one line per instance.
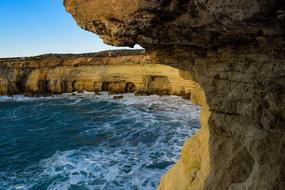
(84, 141)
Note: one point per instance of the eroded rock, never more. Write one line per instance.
(115, 72)
(197, 23)
(235, 51)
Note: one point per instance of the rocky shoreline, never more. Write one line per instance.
(121, 71)
(235, 51)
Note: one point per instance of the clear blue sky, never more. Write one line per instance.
(33, 27)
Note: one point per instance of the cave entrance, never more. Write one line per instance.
(44, 86)
(130, 87)
(159, 85)
(21, 82)
(105, 86)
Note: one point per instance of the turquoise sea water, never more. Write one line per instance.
(91, 142)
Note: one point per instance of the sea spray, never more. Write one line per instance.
(85, 141)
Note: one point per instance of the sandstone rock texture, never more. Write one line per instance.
(113, 71)
(235, 51)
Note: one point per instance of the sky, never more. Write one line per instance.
(34, 27)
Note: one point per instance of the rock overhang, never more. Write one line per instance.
(235, 51)
(167, 23)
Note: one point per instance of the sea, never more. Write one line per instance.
(83, 141)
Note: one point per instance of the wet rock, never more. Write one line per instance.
(140, 93)
(118, 97)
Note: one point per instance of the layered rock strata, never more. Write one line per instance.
(235, 51)
(113, 71)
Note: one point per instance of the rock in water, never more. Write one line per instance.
(97, 93)
(118, 97)
(138, 93)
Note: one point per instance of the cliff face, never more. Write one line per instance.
(114, 71)
(235, 51)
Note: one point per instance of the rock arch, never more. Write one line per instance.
(235, 51)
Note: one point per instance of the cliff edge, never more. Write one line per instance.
(119, 71)
(235, 51)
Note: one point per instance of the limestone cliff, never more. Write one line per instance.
(235, 51)
(113, 71)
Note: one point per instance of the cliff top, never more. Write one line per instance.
(111, 57)
(108, 53)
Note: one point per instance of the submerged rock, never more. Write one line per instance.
(160, 165)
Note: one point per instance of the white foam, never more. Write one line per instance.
(130, 164)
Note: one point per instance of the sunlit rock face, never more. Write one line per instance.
(235, 51)
(114, 71)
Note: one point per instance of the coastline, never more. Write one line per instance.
(121, 71)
